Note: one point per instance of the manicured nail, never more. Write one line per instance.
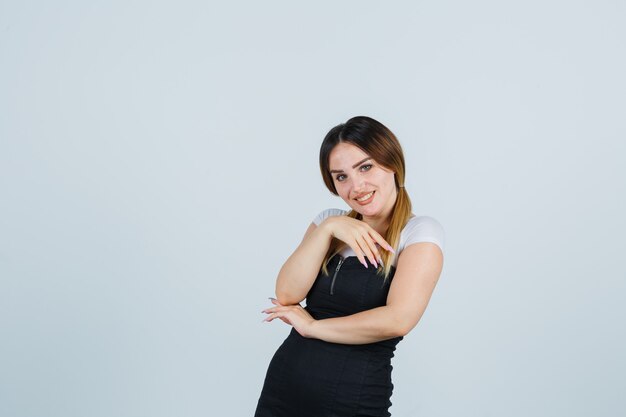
(391, 249)
(364, 264)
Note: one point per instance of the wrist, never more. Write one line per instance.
(312, 330)
(325, 228)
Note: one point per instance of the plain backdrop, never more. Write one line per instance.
(158, 165)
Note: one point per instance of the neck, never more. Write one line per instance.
(380, 226)
(379, 223)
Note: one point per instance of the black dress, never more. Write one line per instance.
(311, 377)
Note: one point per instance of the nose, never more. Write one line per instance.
(358, 185)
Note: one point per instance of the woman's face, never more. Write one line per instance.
(355, 174)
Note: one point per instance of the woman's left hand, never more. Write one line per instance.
(294, 315)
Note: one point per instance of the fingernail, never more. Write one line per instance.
(391, 249)
(364, 264)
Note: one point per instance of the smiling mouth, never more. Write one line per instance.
(366, 196)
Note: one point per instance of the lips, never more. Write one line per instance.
(362, 195)
(367, 200)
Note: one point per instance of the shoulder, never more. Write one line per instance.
(321, 216)
(423, 229)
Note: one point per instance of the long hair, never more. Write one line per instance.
(376, 140)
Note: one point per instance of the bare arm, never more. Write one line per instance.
(418, 271)
(368, 326)
(297, 275)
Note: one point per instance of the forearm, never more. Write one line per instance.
(300, 270)
(369, 326)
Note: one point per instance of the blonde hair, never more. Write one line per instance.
(373, 138)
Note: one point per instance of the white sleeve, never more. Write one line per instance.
(425, 229)
(326, 213)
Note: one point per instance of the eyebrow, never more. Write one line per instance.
(353, 166)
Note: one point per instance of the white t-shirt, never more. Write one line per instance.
(417, 229)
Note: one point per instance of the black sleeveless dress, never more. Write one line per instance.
(313, 378)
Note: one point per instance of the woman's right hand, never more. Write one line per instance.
(360, 236)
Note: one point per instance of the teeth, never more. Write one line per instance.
(365, 197)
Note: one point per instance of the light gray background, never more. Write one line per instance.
(158, 164)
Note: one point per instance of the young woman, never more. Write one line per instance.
(367, 275)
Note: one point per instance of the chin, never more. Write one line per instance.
(370, 211)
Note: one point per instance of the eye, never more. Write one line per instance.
(365, 167)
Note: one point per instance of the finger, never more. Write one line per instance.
(277, 314)
(366, 249)
(359, 253)
(373, 247)
(270, 317)
(381, 241)
(276, 309)
(371, 244)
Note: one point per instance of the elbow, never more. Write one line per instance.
(402, 331)
(395, 328)
(287, 299)
(401, 325)
(406, 327)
